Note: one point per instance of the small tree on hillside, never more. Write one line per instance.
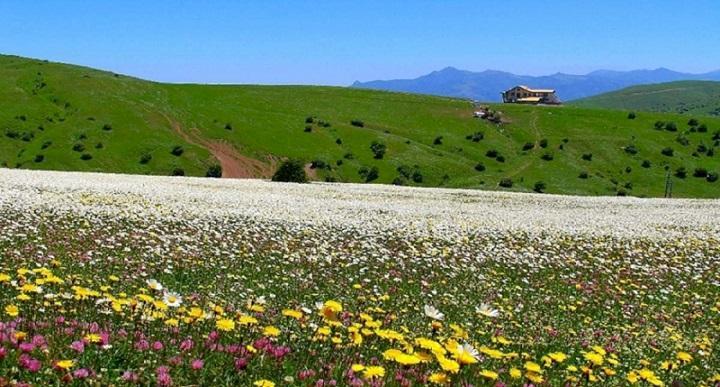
(214, 170)
(378, 149)
(291, 171)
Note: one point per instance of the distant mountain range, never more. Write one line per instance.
(487, 85)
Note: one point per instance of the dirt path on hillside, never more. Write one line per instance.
(536, 132)
(234, 164)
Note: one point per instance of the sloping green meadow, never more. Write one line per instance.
(63, 117)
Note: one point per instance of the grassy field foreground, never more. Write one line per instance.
(63, 117)
(118, 279)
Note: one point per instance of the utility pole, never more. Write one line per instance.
(668, 185)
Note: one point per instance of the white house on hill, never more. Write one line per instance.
(524, 94)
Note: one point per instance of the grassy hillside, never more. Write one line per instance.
(687, 97)
(48, 109)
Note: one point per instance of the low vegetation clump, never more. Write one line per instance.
(378, 149)
(214, 170)
(291, 171)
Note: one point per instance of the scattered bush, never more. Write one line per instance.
(319, 164)
(309, 120)
(547, 156)
(527, 146)
(700, 172)
(543, 143)
(479, 167)
(417, 176)
(621, 192)
(671, 127)
(39, 158)
(701, 148)
(308, 129)
(646, 164)
(583, 175)
(631, 149)
(177, 172)
(338, 141)
(716, 136)
(539, 187)
(500, 158)
(587, 156)
(505, 182)
(46, 145)
(369, 174)
(438, 140)
(631, 116)
(668, 152)
(107, 127)
(99, 145)
(659, 125)
(681, 173)
(357, 123)
(339, 162)
(78, 147)
(702, 128)
(349, 156)
(378, 149)
(324, 124)
(86, 156)
(399, 180)
(214, 170)
(145, 158)
(291, 171)
(177, 150)
(475, 137)
(331, 179)
(682, 140)
(82, 136)
(712, 177)
(27, 136)
(492, 153)
(228, 126)
(693, 122)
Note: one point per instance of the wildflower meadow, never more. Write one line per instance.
(135, 280)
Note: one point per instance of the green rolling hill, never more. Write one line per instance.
(686, 97)
(64, 117)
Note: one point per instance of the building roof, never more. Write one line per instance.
(529, 99)
(535, 90)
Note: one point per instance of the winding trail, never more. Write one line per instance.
(234, 164)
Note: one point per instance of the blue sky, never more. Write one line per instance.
(335, 42)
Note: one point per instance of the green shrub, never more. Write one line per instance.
(378, 149)
(178, 172)
(700, 172)
(338, 141)
(500, 158)
(693, 122)
(646, 164)
(547, 156)
(99, 145)
(145, 158)
(291, 171)
(681, 173)
(631, 149)
(543, 143)
(399, 180)
(86, 156)
(177, 150)
(712, 177)
(475, 137)
(587, 156)
(438, 140)
(668, 151)
(308, 129)
(228, 126)
(46, 144)
(309, 120)
(659, 125)
(357, 123)
(78, 147)
(539, 187)
(107, 127)
(671, 127)
(214, 170)
(492, 153)
(527, 146)
(479, 167)
(369, 174)
(631, 116)
(39, 158)
(583, 175)
(505, 182)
